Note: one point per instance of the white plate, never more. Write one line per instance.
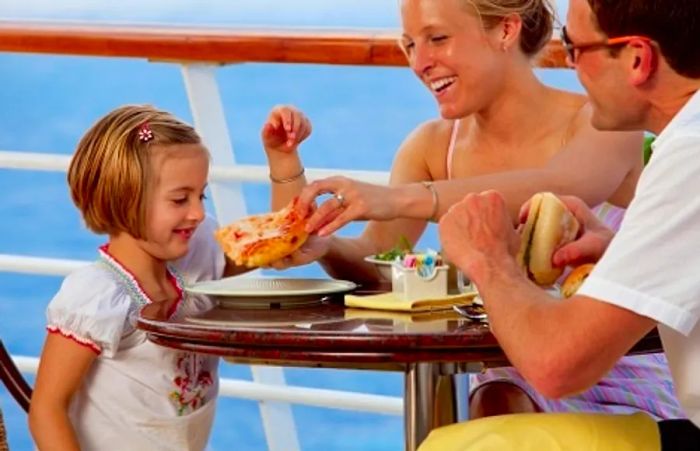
(267, 292)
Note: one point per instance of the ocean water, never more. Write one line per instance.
(360, 116)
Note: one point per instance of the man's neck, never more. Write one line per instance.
(672, 95)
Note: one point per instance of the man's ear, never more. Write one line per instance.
(644, 61)
(510, 31)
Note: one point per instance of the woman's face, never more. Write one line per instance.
(451, 53)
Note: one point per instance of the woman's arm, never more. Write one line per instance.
(344, 257)
(62, 368)
(594, 165)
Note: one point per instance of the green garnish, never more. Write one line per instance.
(402, 248)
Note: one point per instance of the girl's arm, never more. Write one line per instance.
(344, 257)
(62, 368)
(286, 127)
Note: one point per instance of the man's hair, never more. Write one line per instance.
(110, 173)
(673, 24)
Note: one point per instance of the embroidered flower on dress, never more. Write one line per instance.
(192, 381)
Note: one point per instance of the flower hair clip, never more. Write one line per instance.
(145, 132)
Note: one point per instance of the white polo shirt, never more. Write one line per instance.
(652, 267)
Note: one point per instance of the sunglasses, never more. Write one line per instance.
(574, 50)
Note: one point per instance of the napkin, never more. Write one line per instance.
(406, 317)
(389, 301)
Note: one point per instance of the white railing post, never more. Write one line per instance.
(229, 203)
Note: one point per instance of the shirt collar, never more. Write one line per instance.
(690, 113)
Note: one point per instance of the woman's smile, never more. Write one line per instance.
(441, 86)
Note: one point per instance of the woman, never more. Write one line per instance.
(502, 129)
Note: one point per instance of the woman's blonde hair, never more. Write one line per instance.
(110, 174)
(537, 17)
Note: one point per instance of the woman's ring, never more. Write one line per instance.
(341, 200)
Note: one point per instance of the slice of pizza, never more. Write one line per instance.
(261, 239)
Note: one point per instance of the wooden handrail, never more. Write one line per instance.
(185, 44)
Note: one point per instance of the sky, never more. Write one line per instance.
(341, 13)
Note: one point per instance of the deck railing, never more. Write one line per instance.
(220, 46)
(200, 51)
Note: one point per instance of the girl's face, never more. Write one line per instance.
(175, 202)
(450, 52)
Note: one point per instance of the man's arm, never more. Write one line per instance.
(560, 346)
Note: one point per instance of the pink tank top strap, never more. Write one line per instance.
(451, 148)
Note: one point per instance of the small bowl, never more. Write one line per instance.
(383, 266)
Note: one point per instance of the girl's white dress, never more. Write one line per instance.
(137, 395)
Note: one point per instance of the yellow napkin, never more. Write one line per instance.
(406, 317)
(389, 301)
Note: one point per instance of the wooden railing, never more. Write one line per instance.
(182, 44)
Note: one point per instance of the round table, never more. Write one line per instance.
(430, 348)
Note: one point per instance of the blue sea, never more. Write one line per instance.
(360, 116)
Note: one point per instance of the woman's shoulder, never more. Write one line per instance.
(574, 105)
(429, 135)
(434, 128)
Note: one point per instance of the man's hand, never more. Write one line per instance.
(592, 242)
(477, 233)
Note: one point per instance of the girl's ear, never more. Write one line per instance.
(510, 28)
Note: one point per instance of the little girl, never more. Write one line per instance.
(138, 176)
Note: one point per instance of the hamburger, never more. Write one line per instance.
(575, 278)
(549, 226)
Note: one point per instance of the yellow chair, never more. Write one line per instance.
(548, 432)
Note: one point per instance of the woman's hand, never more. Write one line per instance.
(313, 249)
(351, 201)
(286, 127)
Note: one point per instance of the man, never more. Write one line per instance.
(640, 63)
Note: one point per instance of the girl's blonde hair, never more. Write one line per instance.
(537, 17)
(110, 174)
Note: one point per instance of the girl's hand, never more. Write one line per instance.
(286, 127)
(351, 201)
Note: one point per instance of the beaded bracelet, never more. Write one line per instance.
(288, 179)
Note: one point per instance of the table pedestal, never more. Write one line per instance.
(435, 395)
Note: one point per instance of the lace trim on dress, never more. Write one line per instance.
(72, 336)
(132, 285)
